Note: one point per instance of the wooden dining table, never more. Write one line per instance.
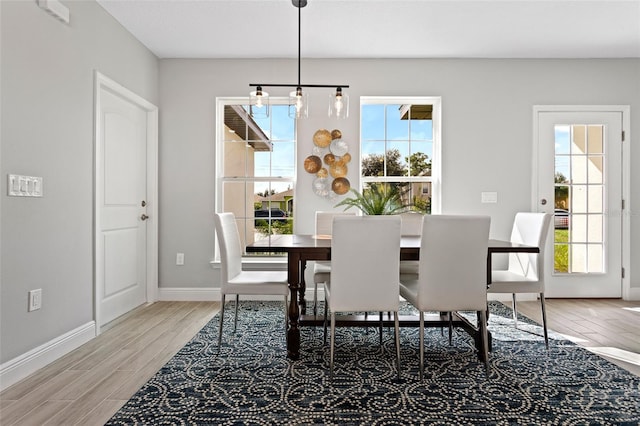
(303, 248)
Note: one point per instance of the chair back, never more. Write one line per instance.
(230, 246)
(324, 221)
(365, 257)
(453, 263)
(530, 229)
(411, 223)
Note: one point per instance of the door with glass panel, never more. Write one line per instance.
(579, 180)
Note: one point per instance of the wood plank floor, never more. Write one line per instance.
(88, 385)
(609, 327)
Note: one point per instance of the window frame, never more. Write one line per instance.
(219, 139)
(436, 160)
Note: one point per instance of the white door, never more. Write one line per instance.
(121, 203)
(579, 179)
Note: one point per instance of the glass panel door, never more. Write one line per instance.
(579, 180)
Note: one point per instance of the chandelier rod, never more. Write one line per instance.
(299, 42)
(299, 4)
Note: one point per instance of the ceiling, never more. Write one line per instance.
(384, 28)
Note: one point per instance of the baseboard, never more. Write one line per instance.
(196, 294)
(26, 364)
(633, 294)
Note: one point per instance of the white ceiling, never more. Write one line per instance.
(384, 28)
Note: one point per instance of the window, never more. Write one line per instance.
(400, 146)
(579, 220)
(256, 168)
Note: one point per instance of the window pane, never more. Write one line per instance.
(595, 169)
(420, 197)
(596, 200)
(578, 140)
(420, 158)
(397, 153)
(373, 158)
(578, 169)
(595, 229)
(579, 199)
(282, 126)
(595, 253)
(372, 122)
(579, 258)
(578, 228)
(562, 139)
(238, 158)
(421, 130)
(397, 127)
(596, 136)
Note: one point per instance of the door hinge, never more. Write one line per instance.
(623, 204)
(623, 136)
(623, 272)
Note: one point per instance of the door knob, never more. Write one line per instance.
(144, 217)
(543, 201)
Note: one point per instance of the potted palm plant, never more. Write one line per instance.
(376, 199)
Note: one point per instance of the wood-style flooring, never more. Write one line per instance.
(88, 385)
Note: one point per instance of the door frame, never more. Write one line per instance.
(625, 110)
(103, 82)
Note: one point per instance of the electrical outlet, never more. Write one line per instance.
(35, 300)
(179, 259)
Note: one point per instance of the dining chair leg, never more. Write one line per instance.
(315, 298)
(421, 340)
(325, 322)
(397, 335)
(544, 321)
(333, 341)
(515, 310)
(221, 322)
(450, 328)
(235, 321)
(485, 339)
(381, 330)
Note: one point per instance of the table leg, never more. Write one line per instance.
(302, 303)
(293, 333)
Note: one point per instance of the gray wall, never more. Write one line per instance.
(47, 92)
(487, 134)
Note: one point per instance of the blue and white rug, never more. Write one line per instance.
(252, 382)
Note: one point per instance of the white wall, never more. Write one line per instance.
(47, 98)
(487, 134)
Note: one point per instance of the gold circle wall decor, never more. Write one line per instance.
(312, 164)
(328, 162)
(322, 138)
(340, 185)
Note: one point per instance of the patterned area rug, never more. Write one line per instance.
(251, 381)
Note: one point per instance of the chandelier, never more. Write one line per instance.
(298, 99)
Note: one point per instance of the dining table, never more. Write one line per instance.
(303, 248)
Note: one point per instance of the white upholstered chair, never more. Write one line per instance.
(452, 271)
(411, 225)
(365, 253)
(322, 269)
(236, 281)
(525, 272)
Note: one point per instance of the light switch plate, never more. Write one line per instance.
(24, 186)
(489, 197)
